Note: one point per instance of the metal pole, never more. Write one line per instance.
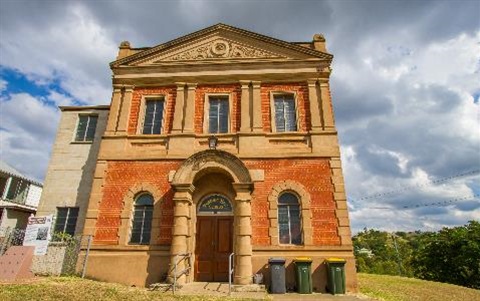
(89, 242)
(175, 274)
(398, 255)
(230, 272)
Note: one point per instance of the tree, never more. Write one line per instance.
(451, 255)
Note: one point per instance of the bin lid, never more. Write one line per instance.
(276, 260)
(335, 260)
(303, 259)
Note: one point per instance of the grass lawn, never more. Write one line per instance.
(394, 288)
(74, 288)
(381, 287)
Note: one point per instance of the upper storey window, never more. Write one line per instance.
(152, 123)
(218, 114)
(285, 113)
(86, 127)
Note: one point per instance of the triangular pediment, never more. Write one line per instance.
(220, 43)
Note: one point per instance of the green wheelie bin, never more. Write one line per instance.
(303, 274)
(336, 275)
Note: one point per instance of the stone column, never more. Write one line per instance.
(114, 110)
(257, 107)
(190, 109)
(243, 234)
(315, 113)
(245, 125)
(181, 222)
(179, 106)
(124, 113)
(327, 111)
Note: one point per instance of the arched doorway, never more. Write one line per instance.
(214, 238)
(218, 177)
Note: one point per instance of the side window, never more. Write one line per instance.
(218, 114)
(86, 127)
(289, 225)
(152, 123)
(66, 220)
(285, 113)
(142, 219)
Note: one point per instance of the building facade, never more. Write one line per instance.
(221, 141)
(19, 198)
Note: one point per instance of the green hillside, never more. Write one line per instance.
(395, 288)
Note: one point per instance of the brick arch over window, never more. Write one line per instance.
(212, 159)
(128, 207)
(306, 215)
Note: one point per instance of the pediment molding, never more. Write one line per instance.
(221, 43)
(221, 49)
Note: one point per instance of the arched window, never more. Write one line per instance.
(142, 219)
(289, 225)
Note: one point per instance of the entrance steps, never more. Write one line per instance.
(254, 291)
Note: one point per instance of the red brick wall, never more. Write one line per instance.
(301, 89)
(171, 95)
(122, 176)
(233, 89)
(315, 176)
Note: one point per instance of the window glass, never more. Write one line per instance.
(218, 114)
(285, 115)
(142, 219)
(66, 220)
(86, 127)
(289, 223)
(153, 116)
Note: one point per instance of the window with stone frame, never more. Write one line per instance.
(153, 119)
(218, 119)
(66, 220)
(289, 222)
(86, 127)
(285, 113)
(142, 219)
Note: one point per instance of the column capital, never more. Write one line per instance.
(183, 187)
(323, 81)
(256, 84)
(242, 187)
(312, 82)
(180, 85)
(192, 86)
(244, 83)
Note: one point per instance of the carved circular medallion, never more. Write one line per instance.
(220, 48)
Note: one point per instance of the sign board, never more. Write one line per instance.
(37, 233)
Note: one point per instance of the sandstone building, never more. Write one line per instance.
(221, 141)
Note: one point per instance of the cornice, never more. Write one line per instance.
(217, 28)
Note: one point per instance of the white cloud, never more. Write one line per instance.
(402, 84)
(73, 49)
(3, 85)
(28, 129)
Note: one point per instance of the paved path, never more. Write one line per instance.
(320, 297)
(221, 289)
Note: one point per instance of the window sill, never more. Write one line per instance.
(81, 142)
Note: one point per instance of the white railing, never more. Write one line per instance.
(230, 272)
(178, 258)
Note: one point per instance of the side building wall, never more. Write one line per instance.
(70, 172)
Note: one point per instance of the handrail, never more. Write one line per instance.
(230, 273)
(176, 260)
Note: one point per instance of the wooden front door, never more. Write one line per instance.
(214, 243)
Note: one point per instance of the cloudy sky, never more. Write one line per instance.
(405, 86)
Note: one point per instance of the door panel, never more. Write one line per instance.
(214, 243)
(204, 250)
